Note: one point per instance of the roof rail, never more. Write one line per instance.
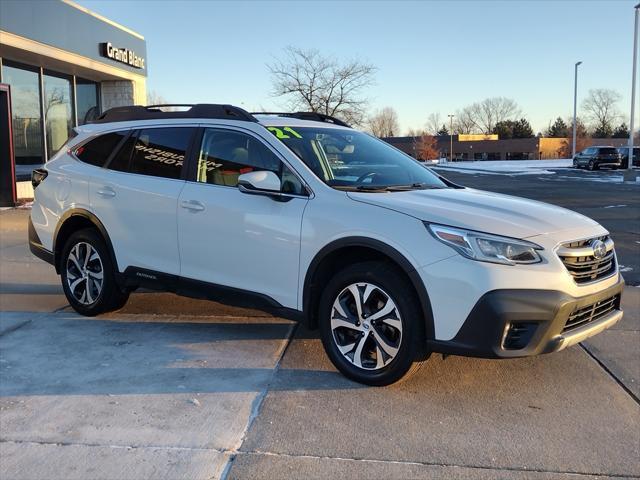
(151, 112)
(313, 116)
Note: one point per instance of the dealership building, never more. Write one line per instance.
(61, 66)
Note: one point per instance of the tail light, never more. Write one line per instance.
(37, 176)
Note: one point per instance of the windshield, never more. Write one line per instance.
(348, 159)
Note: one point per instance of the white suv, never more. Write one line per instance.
(302, 215)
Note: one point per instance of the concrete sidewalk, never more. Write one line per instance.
(171, 388)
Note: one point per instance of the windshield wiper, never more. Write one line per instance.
(413, 186)
(372, 188)
(389, 188)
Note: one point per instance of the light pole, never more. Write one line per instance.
(451, 137)
(575, 109)
(633, 86)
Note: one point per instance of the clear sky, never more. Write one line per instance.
(432, 56)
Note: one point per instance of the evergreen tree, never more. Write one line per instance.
(621, 131)
(504, 129)
(559, 129)
(513, 129)
(602, 131)
(522, 129)
(443, 131)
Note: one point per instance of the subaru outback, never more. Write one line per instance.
(299, 214)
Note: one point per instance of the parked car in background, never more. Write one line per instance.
(624, 153)
(299, 214)
(595, 157)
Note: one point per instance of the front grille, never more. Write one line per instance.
(592, 312)
(578, 257)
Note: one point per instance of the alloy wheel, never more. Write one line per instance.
(84, 273)
(366, 326)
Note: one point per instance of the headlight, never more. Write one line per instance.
(485, 247)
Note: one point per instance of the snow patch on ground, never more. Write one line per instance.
(511, 167)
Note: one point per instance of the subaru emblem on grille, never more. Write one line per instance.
(599, 249)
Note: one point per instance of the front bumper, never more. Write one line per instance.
(517, 323)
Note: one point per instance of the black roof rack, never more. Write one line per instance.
(151, 112)
(313, 116)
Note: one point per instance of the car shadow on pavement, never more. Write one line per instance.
(66, 354)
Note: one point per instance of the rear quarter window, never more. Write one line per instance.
(97, 151)
(607, 151)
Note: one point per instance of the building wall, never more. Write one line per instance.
(69, 27)
(509, 149)
(116, 93)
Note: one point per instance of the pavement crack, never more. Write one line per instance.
(15, 327)
(108, 445)
(439, 464)
(257, 404)
(611, 374)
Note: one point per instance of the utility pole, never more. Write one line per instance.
(575, 109)
(451, 137)
(633, 86)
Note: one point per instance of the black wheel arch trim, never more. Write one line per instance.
(382, 248)
(35, 245)
(86, 214)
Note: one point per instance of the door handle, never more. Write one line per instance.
(193, 205)
(106, 192)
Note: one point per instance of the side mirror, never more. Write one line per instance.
(265, 181)
(261, 183)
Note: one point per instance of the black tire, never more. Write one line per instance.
(391, 284)
(592, 165)
(95, 300)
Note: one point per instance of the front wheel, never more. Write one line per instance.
(370, 323)
(592, 165)
(88, 275)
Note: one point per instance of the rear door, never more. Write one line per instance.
(233, 239)
(136, 197)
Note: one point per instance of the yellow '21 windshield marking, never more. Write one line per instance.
(280, 132)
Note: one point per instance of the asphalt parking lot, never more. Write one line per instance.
(178, 388)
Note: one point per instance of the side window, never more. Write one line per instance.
(160, 152)
(225, 155)
(96, 151)
(121, 160)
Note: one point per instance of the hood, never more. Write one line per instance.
(479, 210)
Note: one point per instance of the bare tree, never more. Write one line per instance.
(384, 123)
(464, 122)
(582, 139)
(416, 132)
(602, 110)
(434, 123)
(154, 98)
(321, 84)
(487, 113)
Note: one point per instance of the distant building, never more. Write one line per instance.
(489, 147)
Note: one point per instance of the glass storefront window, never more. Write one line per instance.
(57, 111)
(86, 100)
(26, 120)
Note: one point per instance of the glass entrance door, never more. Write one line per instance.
(58, 112)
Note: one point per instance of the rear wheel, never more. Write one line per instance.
(88, 275)
(370, 318)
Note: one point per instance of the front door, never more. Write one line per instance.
(234, 239)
